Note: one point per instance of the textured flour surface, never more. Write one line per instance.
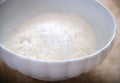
(53, 37)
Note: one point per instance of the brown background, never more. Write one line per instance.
(107, 72)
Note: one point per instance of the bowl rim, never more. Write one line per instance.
(76, 59)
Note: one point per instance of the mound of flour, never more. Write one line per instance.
(53, 36)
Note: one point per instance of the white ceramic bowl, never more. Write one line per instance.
(14, 12)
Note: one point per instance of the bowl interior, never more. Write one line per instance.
(14, 12)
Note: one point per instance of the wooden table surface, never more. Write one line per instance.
(107, 72)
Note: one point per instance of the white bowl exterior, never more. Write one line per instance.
(53, 71)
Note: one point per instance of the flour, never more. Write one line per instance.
(53, 36)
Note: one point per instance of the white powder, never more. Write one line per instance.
(53, 36)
